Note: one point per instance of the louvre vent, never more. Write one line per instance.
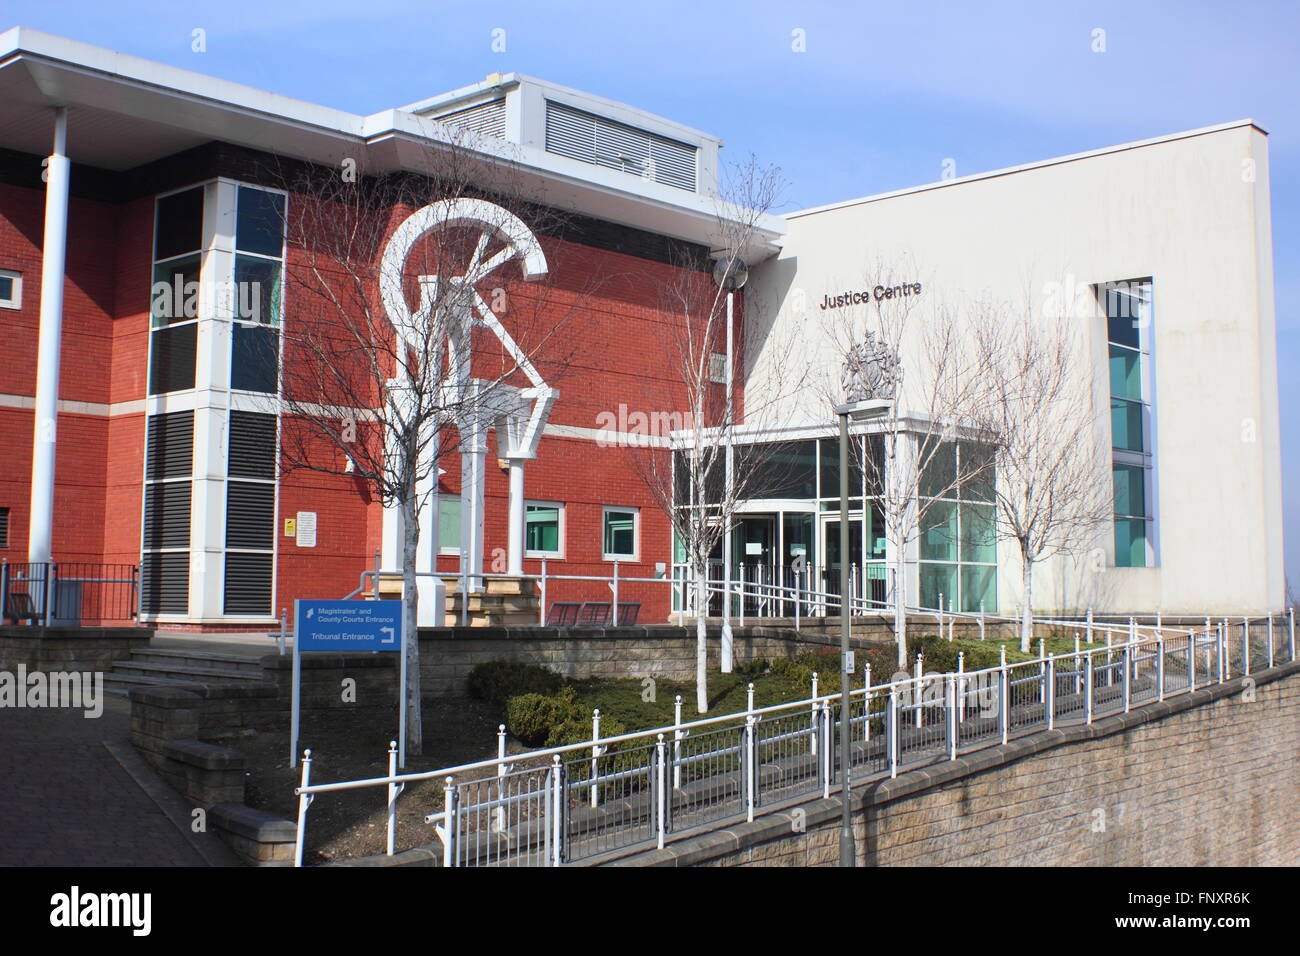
(252, 445)
(595, 139)
(171, 366)
(250, 515)
(167, 515)
(248, 583)
(485, 119)
(169, 448)
(4, 527)
(165, 583)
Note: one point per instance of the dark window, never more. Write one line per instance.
(257, 282)
(174, 296)
(787, 470)
(169, 448)
(250, 515)
(165, 583)
(252, 445)
(180, 224)
(830, 480)
(167, 515)
(254, 358)
(172, 364)
(4, 527)
(260, 222)
(248, 583)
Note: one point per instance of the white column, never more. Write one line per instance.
(472, 464)
(515, 544)
(40, 540)
(432, 609)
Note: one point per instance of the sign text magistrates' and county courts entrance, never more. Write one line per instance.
(349, 625)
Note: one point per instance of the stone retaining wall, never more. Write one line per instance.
(83, 649)
(1202, 779)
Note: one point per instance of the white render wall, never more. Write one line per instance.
(1190, 211)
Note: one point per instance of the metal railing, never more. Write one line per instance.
(69, 593)
(613, 794)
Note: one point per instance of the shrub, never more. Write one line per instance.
(577, 730)
(532, 717)
(498, 681)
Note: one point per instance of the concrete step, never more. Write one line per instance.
(212, 659)
(120, 685)
(182, 670)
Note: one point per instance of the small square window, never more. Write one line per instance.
(11, 289)
(544, 529)
(619, 534)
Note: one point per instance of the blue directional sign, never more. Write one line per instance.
(349, 625)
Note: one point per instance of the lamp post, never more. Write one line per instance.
(730, 273)
(858, 411)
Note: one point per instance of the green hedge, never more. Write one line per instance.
(539, 720)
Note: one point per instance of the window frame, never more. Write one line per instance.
(444, 549)
(560, 509)
(1142, 291)
(15, 300)
(636, 533)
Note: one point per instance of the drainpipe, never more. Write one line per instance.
(45, 422)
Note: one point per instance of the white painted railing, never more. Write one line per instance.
(609, 794)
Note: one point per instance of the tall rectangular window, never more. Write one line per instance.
(174, 299)
(258, 290)
(449, 524)
(1129, 317)
(619, 534)
(958, 543)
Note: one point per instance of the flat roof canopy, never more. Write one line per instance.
(124, 111)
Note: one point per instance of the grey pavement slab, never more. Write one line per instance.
(67, 800)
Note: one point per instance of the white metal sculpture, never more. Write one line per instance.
(449, 310)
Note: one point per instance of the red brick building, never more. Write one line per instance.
(164, 454)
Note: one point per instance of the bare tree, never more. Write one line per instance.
(393, 352)
(690, 477)
(908, 459)
(1036, 411)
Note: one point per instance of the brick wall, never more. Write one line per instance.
(601, 314)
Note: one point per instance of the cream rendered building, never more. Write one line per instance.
(1189, 403)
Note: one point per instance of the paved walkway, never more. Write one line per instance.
(73, 793)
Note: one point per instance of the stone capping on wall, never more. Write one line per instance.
(85, 649)
(257, 837)
(710, 846)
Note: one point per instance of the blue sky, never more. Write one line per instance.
(883, 94)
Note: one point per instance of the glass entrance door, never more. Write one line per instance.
(830, 564)
(754, 559)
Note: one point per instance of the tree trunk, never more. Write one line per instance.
(1027, 615)
(701, 641)
(900, 609)
(410, 608)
